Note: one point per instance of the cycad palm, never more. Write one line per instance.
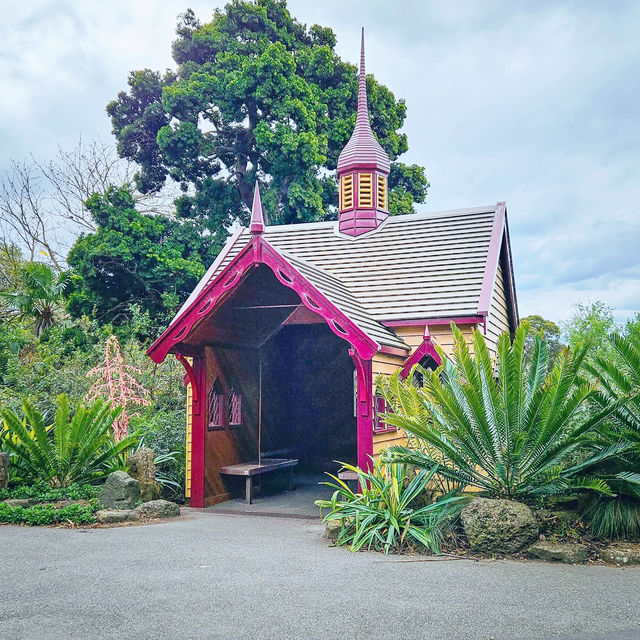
(39, 296)
(72, 449)
(516, 435)
(619, 376)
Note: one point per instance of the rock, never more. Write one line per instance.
(4, 470)
(569, 552)
(621, 554)
(332, 530)
(110, 516)
(158, 509)
(557, 520)
(142, 467)
(498, 526)
(120, 491)
(19, 502)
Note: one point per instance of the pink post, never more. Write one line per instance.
(364, 409)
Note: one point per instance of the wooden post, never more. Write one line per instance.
(198, 429)
(364, 381)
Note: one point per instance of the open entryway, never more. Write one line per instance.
(280, 386)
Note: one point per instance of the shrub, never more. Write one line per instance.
(383, 514)
(522, 434)
(48, 514)
(72, 449)
(42, 492)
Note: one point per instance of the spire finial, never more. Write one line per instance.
(363, 110)
(257, 219)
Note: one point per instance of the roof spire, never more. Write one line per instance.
(257, 219)
(363, 109)
(363, 150)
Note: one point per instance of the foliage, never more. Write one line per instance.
(618, 373)
(615, 517)
(70, 450)
(135, 258)
(255, 95)
(47, 514)
(515, 436)
(591, 322)
(551, 332)
(38, 297)
(117, 383)
(383, 514)
(42, 492)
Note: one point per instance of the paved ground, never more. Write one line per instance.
(212, 575)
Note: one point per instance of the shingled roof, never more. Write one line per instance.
(414, 267)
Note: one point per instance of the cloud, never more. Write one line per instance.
(532, 103)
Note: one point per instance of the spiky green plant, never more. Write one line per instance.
(516, 432)
(73, 449)
(382, 515)
(619, 376)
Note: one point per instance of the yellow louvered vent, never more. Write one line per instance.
(382, 193)
(346, 192)
(365, 190)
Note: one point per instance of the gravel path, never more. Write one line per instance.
(232, 576)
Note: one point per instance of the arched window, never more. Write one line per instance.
(216, 406)
(428, 363)
(235, 406)
(381, 406)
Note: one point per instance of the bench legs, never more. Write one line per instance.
(248, 489)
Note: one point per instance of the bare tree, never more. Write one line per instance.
(42, 204)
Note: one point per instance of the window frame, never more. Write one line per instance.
(380, 405)
(235, 395)
(215, 392)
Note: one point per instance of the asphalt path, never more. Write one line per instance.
(247, 577)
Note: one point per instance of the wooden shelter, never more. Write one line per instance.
(283, 338)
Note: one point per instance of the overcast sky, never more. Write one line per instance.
(536, 103)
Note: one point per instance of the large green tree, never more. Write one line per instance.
(135, 258)
(255, 95)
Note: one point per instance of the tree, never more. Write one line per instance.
(549, 330)
(519, 436)
(255, 95)
(591, 322)
(136, 258)
(39, 296)
(42, 208)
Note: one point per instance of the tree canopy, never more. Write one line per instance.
(255, 95)
(135, 258)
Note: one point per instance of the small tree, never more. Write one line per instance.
(117, 382)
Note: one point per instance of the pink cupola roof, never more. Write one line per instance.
(363, 150)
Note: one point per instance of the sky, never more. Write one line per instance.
(535, 103)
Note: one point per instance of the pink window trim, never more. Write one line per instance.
(379, 425)
(216, 407)
(426, 348)
(235, 408)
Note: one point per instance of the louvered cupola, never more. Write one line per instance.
(363, 172)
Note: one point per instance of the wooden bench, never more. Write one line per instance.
(251, 469)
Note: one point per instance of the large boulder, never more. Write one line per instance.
(158, 509)
(4, 470)
(142, 467)
(498, 526)
(120, 491)
(569, 552)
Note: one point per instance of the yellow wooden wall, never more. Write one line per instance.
(187, 484)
